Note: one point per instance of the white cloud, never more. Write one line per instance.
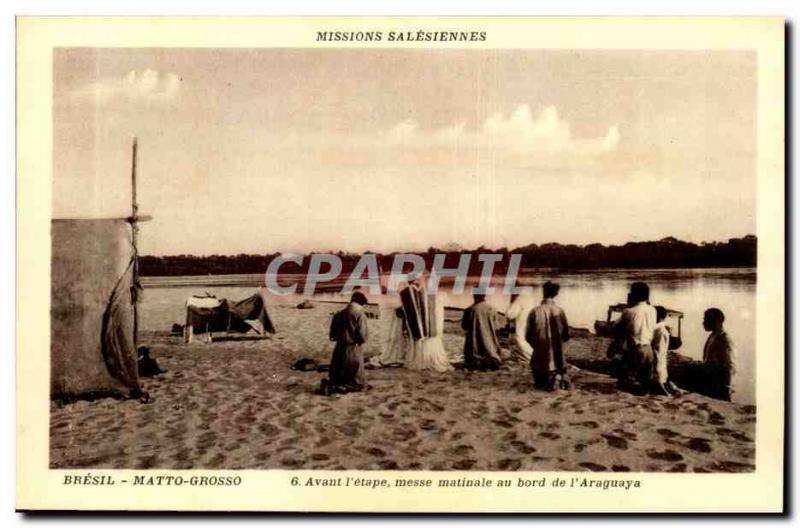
(520, 132)
(450, 134)
(403, 132)
(611, 140)
(144, 86)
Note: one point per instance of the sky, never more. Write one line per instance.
(267, 150)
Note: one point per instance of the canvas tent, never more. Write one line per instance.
(209, 314)
(93, 348)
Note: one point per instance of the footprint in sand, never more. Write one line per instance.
(741, 437)
(268, 429)
(182, 455)
(668, 455)
(716, 418)
(523, 447)
(620, 468)
(428, 424)
(677, 468)
(729, 466)
(466, 463)
(549, 435)
(323, 441)
(667, 433)
(374, 451)
(509, 464)
(292, 463)
(625, 434)
(244, 419)
(207, 439)
(349, 428)
(148, 462)
(428, 405)
(217, 461)
(616, 442)
(403, 435)
(592, 466)
(388, 464)
(461, 450)
(578, 448)
(700, 445)
(588, 424)
(503, 423)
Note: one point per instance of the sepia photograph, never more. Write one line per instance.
(624, 180)
(405, 250)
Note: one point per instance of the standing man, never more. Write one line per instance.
(719, 355)
(481, 347)
(546, 333)
(636, 327)
(349, 331)
(518, 311)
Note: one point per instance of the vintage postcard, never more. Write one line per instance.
(401, 264)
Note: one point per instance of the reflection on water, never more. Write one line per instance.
(585, 296)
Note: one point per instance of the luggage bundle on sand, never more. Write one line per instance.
(220, 319)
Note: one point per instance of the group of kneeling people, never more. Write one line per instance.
(638, 351)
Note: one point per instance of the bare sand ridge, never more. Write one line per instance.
(237, 405)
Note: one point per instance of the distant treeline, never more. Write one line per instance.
(665, 253)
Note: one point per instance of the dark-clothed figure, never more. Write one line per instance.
(349, 330)
(481, 347)
(547, 332)
(147, 366)
(719, 355)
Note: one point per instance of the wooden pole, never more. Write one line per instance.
(135, 240)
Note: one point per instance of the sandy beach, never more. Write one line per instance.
(237, 405)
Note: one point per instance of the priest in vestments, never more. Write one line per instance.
(481, 347)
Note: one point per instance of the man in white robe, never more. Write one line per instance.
(517, 313)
